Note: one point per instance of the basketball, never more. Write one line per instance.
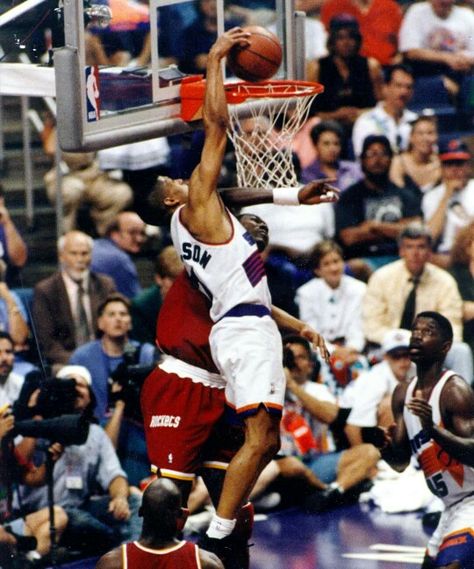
(258, 61)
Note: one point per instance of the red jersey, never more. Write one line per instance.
(379, 25)
(184, 555)
(184, 325)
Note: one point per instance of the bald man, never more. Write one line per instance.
(158, 546)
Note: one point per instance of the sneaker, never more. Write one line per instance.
(234, 553)
(323, 500)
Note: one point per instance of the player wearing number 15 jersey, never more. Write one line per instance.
(434, 418)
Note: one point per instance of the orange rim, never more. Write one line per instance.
(193, 89)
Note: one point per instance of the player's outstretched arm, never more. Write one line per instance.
(285, 320)
(204, 213)
(313, 193)
(397, 450)
(456, 437)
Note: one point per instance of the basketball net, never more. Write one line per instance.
(262, 132)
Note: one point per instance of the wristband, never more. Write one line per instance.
(286, 196)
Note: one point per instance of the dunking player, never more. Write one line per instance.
(434, 420)
(226, 265)
(158, 547)
(183, 398)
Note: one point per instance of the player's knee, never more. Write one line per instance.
(265, 444)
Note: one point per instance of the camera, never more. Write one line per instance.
(130, 375)
(56, 397)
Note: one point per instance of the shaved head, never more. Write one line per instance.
(161, 508)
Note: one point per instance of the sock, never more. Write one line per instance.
(220, 527)
(335, 486)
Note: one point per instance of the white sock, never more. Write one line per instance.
(220, 527)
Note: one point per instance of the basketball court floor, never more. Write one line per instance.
(352, 537)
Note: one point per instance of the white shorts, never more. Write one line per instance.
(453, 539)
(248, 352)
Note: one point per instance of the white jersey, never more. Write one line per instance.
(446, 477)
(230, 273)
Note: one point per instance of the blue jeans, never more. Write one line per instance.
(324, 465)
(92, 526)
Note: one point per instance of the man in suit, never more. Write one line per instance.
(65, 304)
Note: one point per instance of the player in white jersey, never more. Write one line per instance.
(224, 260)
(434, 421)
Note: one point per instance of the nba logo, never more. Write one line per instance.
(92, 93)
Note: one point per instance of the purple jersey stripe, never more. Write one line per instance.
(254, 268)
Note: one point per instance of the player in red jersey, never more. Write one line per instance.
(158, 547)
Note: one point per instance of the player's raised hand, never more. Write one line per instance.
(319, 191)
(225, 42)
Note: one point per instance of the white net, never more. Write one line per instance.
(262, 132)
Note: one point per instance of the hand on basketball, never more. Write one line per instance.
(317, 340)
(319, 191)
(225, 42)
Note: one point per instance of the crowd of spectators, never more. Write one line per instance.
(399, 240)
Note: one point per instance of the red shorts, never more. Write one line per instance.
(182, 425)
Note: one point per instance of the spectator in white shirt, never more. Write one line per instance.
(390, 116)
(332, 302)
(373, 389)
(449, 207)
(437, 38)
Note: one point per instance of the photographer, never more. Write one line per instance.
(91, 486)
(118, 366)
(13, 470)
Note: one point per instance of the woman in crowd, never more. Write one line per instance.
(462, 269)
(352, 83)
(419, 167)
(327, 138)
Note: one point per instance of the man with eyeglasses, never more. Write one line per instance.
(111, 254)
(371, 213)
(373, 389)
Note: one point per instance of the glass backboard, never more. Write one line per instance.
(118, 77)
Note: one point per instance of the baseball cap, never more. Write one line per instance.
(395, 340)
(454, 149)
(70, 370)
(342, 21)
